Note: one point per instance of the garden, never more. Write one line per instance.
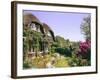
(41, 49)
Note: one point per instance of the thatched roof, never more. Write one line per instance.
(29, 18)
(47, 28)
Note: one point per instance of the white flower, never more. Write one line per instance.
(49, 65)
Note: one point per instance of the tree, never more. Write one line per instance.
(86, 26)
(61, 41)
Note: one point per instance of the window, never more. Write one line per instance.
(33, 26)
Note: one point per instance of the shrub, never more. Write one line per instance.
(61, 62)
(26, 64)
(85, 50)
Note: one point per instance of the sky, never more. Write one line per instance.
(66, 25)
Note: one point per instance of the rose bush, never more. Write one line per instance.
(85, 49)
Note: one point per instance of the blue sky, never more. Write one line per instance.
(66, 25)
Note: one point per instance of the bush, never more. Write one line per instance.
(85, 50)
(61, 62)
(26, 65)
(65, 51)
(40, 61)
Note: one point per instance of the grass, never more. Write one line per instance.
(61, 62)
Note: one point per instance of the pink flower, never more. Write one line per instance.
(84, 48)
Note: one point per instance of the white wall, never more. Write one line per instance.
(5, 40)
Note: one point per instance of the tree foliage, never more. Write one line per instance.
(86, 26)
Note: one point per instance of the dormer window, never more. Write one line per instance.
(38, 26)
(49, 34)
(33, 26)
(45, 31)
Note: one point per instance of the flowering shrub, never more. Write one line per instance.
(85, 49)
